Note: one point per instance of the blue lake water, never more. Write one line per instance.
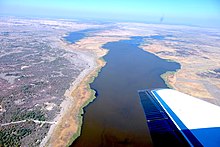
(73, 37)
(116, 117)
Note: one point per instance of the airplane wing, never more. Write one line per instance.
(177, 119)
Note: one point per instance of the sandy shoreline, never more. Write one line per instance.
(69, 121)
(67, 103)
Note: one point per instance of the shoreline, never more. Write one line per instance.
(169, 78)
(86, 82)
(184, 79)
(68, 101)
(66, 104)
(79, 95)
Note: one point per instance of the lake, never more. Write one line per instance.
(116, 117)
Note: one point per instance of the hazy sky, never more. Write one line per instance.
(204, 12)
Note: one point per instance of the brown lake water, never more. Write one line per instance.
(116, 117)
